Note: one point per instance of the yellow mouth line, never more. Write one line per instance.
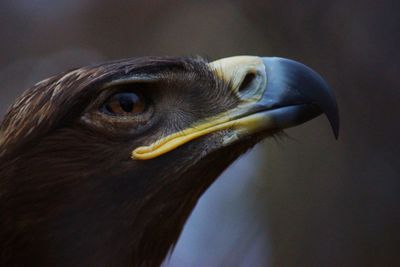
(175, 140)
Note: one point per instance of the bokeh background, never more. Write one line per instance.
(307, 200)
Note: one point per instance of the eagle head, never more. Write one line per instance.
(102, 165)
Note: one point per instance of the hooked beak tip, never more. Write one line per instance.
(290, 82)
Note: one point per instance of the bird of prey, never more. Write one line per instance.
(102, 165)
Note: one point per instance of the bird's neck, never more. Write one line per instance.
(77, 230)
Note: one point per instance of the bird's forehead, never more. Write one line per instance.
(154, 66)
(151, 65)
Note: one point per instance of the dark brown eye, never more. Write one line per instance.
(125, 104)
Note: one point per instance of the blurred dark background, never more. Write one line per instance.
(307, 200)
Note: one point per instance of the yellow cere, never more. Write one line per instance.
(234, 69)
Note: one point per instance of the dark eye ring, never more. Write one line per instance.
(124, 104)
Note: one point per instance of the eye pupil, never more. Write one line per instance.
(127, 101)
(124, 104)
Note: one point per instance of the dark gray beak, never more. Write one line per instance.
(299, 92)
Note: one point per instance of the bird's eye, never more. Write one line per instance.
(125, 104)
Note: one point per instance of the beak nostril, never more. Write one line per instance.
(246, 84)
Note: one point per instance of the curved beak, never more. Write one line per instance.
(301, 90)
(275, 93)
(285, 91)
